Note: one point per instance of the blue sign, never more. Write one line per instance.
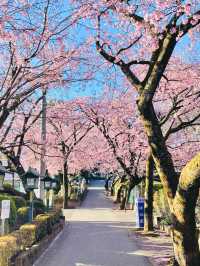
(139, 211)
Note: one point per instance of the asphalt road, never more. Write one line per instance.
(96, 235)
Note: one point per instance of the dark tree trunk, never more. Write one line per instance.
(19, 169)
(65, 185)
(181, 194)
(148, 204)
(162, 158)
(133, 181)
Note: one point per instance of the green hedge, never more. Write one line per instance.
(41, 226)
(26, 236)
(19, 202)
(35, 231)
(8, 186)
(8, 248)
(22, 215)
(39, 206)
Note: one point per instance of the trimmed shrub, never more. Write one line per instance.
(8, 248)
(7, 186)
(40, 227)
(19, 201)
(55, 216)
(21, 238)
(39, 206)
(35, 231)
(26, 236)
(22, 215)
(50, 219)
(46, 218)
(58, 202)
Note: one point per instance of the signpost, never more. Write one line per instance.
(139, 211)
(5, 213)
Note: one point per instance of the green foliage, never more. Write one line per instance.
(13, 211)
(19, 201)
(161, 206)
(28, 235)
(40, 227)
(166, 220)
(7, 186)
(157, 187)
(59, 180)
(33, 232)
(59, 177)
(39, 206)
(85, 173)
(22, 215)
(8, 248)
(50, 219)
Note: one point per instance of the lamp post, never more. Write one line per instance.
(32, 179)
(47, 186)
(2, 174)
(54, 186)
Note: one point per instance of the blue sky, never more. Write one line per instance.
(95, 87)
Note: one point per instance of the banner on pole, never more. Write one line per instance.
(5, 209)
(139, 211)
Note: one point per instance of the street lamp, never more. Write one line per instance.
(32, 179)
(54, 184)
(55, 187)
(2, 174)
(47, 186)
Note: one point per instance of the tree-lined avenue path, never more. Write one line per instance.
(96, 235)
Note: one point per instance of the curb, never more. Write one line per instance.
(30, 256)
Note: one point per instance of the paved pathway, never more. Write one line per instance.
(97, 235)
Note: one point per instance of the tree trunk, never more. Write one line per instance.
(181, 194)
(185, 237)
(162, 158)
(19, 169)
(148, 203)
(65, 185)
(133, 181)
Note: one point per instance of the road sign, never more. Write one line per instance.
(5, 209)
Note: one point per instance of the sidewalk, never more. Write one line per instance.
(96, 235)
(157, 246)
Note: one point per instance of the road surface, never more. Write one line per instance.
(96, 235)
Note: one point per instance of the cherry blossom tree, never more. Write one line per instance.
(35, 51)
(113, 119)
(146, 33)
(66, 129)
(176, 105)
(14, 133)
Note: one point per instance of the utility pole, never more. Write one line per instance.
(43, 148)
